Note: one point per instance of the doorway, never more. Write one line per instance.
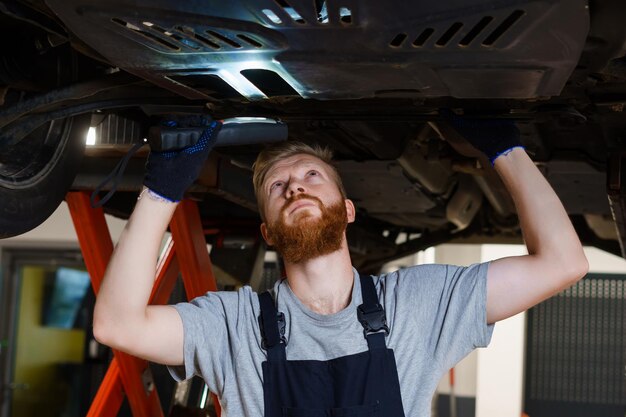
(50, 361)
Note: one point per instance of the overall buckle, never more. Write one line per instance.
(281, 322)
(372, 321)
(280, 317)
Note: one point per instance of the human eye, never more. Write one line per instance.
(312, 173)
(276, 185)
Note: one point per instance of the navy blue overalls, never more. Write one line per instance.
(361, 385)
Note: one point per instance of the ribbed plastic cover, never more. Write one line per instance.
(345, 49)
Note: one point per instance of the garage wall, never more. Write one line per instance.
(58, 229)
(500, 367)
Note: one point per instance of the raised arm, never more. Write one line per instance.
(122, 317)
(555, 257)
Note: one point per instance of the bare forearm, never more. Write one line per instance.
(545, 224)
(129, 278)
(556, 258)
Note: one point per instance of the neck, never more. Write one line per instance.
(323, 284)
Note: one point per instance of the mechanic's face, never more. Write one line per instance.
(294, 176)
(304, 209)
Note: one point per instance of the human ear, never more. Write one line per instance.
(265, 234)
(350, 210)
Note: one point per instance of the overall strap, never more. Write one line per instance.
(272, 325)
(371, 315)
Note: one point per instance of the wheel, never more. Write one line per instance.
(36, 173)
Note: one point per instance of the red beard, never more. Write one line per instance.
(309, 238)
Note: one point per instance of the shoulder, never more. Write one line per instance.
(221, 302)
(244, 292)
(413, 273)
(428, 271)
(429, 276)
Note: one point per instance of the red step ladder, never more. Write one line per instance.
(187, 253)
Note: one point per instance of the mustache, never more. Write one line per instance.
(300, 197)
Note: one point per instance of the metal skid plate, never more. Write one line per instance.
(331, 49)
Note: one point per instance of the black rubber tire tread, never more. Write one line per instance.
(21, 210)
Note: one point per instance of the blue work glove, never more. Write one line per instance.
(492, 137)
(169, 174)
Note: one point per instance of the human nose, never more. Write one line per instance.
(295, 187)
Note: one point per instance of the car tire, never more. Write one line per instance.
(36, 173)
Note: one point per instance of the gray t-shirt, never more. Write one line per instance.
(436, 315)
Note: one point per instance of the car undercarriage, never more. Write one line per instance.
(365, 78)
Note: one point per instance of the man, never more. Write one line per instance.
(327, 342)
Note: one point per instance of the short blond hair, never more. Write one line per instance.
(277, 152)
